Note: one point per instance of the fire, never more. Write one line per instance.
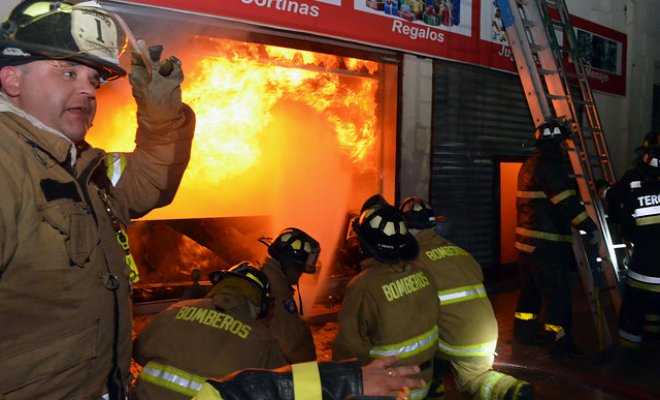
(236, 90)
(293, 135)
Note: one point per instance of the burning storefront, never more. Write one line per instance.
(290, 132)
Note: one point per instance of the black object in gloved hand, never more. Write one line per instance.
(156, 87)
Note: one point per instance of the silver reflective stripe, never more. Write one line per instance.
(462, 293)
(644, 278)
(420, 393)
(646, 211)
(487, 387)
(630, 337)
(116, 162)
(107, 397)
(172, 378)
(477, 350)
(407, 348)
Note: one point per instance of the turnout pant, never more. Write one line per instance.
(545, 278)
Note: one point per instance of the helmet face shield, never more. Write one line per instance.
(83, 33)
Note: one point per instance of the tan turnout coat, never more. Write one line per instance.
(59, 251)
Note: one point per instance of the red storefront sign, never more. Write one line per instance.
(462, 30)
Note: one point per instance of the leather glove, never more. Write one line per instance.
(157, 86)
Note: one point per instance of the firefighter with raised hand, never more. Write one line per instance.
(548, 205)
(197, 339)
(65, 265)
(292, 253)
(467, 327)
(390, 307)
(634, 203)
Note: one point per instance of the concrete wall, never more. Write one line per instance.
(415, 139)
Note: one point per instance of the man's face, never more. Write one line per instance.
(61, 94)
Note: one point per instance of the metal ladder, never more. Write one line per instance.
(534, 38)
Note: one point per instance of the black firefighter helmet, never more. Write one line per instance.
(251, 282)
(294, 248)
(49, 29)
(384, 235)
(552, 131)
(651, 155)
(418, 213)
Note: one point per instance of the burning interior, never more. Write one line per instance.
(290, 132)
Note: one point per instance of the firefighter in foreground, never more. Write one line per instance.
(390, 308)
(65, 266)
(292, 253)
(315, 381)
(467, 327)
(634, 202)
(548, 205)
(207, 338)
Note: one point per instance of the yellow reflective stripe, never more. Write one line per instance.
(652, 317)
(476, 350)
(531, 194)
(463, 293)
(649, 287)
(420, 393)
(525, 316)
(558, 198)
(524, 247)
(647, 220)
(43, 7)
(306, 381)
(208, 392)
(172, 378)
(581, 217)
(115, 164)
(554, 328)
(543, 235)
(409, 347)
(489, 384)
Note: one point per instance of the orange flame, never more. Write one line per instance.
(292, 134)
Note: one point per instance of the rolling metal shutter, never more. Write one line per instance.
(479, 115)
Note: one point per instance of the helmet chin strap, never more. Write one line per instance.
(285, 269)
(300, 311)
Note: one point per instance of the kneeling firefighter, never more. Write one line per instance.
(467, 327)
(381, 314)
(292, 253)
(197, 339)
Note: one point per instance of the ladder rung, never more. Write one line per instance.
(537, 47)
(547, 71)
(556, 97)
(528, 23)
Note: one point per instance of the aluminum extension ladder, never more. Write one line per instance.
(535, 40)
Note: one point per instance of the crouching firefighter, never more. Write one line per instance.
(194, 340)
(390, 307)
(291, 254)
(467, 327)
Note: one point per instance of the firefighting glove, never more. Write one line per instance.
(156, 86)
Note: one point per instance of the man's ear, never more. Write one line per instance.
(10, 80)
